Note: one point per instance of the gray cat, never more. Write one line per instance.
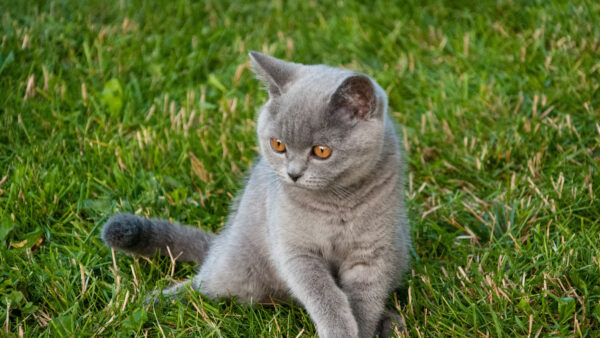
(322, 217)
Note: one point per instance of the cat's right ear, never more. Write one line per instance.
(274, 73)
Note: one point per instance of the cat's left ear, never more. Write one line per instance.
(274, 73)
(354, 98)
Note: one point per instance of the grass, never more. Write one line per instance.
(148, 107)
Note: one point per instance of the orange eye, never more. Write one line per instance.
(277, 145)
(322, 151)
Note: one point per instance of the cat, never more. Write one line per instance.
(321, 219)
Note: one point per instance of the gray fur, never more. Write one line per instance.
(336, 239)
(146, 237)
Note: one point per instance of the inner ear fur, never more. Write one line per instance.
(355, 96)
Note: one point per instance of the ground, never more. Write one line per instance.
(148, 107)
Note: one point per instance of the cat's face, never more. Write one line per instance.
(322, 127)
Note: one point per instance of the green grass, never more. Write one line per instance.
(148, 107)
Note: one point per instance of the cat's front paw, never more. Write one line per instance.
(390, 323)
(339, 328)
(123, 231)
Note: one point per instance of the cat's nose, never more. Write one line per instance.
(294, 176)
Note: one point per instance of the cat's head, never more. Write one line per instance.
(322, 127)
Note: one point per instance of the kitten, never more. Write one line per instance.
(322, 217)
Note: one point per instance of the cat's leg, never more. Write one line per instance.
(367, 288)
(238, 266)
(143, 236)
(312, 283)
(176, 289)
(171, 292)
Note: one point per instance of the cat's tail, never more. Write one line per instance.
(146, 237)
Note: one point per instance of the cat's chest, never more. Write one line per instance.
(318, 217)
(329, 227)
(320, 224)
(329, 234)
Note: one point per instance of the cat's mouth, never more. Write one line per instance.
(307, 184)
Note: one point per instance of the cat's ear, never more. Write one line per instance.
(274, 73)
(354, 98)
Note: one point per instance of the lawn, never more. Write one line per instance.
(149, 106)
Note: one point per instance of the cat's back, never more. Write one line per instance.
(249, 208)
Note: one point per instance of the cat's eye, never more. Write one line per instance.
(277, 145)
(322, 152)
